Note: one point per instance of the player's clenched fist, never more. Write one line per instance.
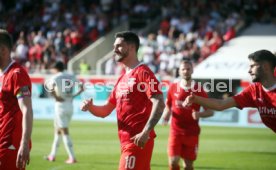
(86, 104)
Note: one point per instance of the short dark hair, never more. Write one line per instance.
(58, 65)
(263, 55)
(186, 61)
(5, 39)
(129, 37)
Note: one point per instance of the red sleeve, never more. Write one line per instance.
(22, 82)
(152, 85)
(112, 97)
(245, 99)
(169, 96)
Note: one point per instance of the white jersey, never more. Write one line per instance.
(64, 85)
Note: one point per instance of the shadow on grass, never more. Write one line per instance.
(165, 166)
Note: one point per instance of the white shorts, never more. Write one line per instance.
(63, 116)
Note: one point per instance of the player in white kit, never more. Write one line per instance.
(62, 86)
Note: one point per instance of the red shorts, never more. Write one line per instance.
(183, 146)
(135, 158)
(8, 159)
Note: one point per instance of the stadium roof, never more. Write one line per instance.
(231, 60)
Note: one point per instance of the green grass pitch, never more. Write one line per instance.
(97, 148)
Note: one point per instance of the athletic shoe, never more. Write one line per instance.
(50, 158)
(71, 161)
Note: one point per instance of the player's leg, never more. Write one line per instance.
(188, 164)
(57, 135)
(135, 158)
(64, 124)
(174, 162)
(190, 151)
(174, 151)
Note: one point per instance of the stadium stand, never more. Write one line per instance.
(50, 30)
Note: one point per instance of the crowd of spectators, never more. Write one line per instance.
(49, 30)
(197, 29)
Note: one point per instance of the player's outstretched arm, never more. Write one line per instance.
(99, 111)
(211, 103)
(156, 112)
(203, 114)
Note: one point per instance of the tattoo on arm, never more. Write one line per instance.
(156, 112)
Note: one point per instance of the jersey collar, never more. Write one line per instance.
(7, 68)
(187, 87)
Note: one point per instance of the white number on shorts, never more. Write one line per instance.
(130, 162)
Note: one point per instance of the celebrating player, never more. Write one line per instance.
(184, 131)
(139, 105)
(261, 94)
(16, 114)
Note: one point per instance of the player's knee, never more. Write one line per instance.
(188, 165)
(69, 143)
(174, 163)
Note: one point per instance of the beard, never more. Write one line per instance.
(187, 78)
(120, 56)
(256, 78)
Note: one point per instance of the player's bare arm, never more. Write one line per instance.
(216, 104)
(99, 111)
(57, 98)
(23, 156)
(156, 113)
(166, 115)
(203, 114)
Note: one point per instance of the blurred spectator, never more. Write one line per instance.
(51, 30)
(84, 68)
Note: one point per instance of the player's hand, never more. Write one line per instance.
(86, 104)
(23, 156)
(196, 115)
(141, 139)
(189, 100)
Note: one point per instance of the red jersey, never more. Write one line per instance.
(13, 79)
(263, 99)
(131, 95)
(182, 121)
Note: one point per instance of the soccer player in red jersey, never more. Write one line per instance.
(16, 115)
(139, 104)
(184, 129)
(261, 94)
